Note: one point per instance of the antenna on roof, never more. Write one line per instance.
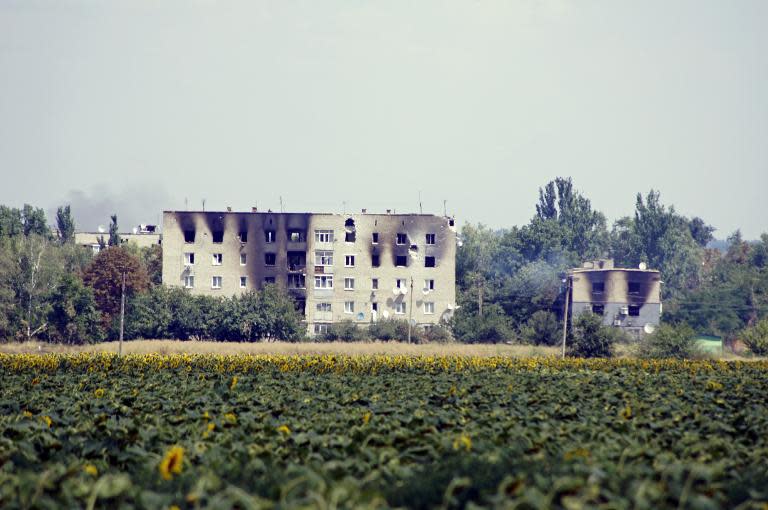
(186, 205)
(420, 210)
(344, 208)
(203, 204)
(281, 203)
(445, 210)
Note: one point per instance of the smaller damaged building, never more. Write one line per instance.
(626, 298)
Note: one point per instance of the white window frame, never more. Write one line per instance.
(189, 258)
(349, 283)
(349, 307)
(429, 307)
(401, 283)
(376, 239)
(429, 284)
(397, 239)
(243, 259)
(217, 259)
(324, 307)
(349, 261)
(324, 258)
(400, 308)
(213, 282)
(321, 328)
(323, 236)
(430, 239)
(189, 281)
(327, 278)
(243, 282)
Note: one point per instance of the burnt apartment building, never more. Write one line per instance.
(626, 298)
(360, 267)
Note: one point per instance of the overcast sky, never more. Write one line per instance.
(138, 106)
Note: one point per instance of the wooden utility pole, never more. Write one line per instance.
(410, 313)
(122, 318)
(565, 310)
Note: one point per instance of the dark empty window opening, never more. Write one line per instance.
(401, 260)
(296, 260)
(402, 238)
(189, 236)
(598, 286)
(269, 236)
(633, 287)
(430, 238)
(375, 238)
(243, 236)
(451, 222)
(375, 262)
(634, 311)
(218, 236)
(269, 279)
(349, 237)
(429, 261)
(375, 307)
(297, 236)
(598, 309)
(349, 231)
(269, 259)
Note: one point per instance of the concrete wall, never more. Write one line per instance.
(255, 270)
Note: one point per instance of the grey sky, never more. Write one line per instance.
(475, 102)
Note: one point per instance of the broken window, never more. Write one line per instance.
(297, 260)
(349, 283)
(430, 238)
(216, 282)
(349, 237)
(269, 280)
(217, 259)
(296, 281)
(374, 307)
(375, 262)
(243, 282)
(429, 307)
(323, 236)
(218, 236)
(598, 309)
(189, 236)
(243, 258)
(402, 238)
(349, 231)
(401, 260)
(269, 236)
(189, 282)
(375, 238)
(323, 282)
(633, 287)
(269, 259)
(349, 260)
(296, 236)
(598, 286)
(429, 261)
(634, 311)
(243, 236)
(189, 259)
(375, 283)
(323, 258)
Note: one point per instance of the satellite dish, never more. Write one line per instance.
(360, 316)
(403, 290)
(425, 291)
(649, 328)
(395, 290)
(643, 266)
(385, 314)
(101, 229)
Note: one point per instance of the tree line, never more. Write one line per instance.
(509, 281)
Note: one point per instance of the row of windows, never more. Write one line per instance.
(299, 236)
(298, 281)
(632, 287)
(326, 282)
(322, 258)
(631, 310)
(349, 307)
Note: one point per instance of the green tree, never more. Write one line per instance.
(542, 328)
(65, 224)
(756, 338)
(73, 317)
(114, 236)
(11, 224)
(669, 341)
(34, 221)
(591, 339)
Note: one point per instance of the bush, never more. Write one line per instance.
(437, 333)
(669, 341)
(756, 338)
(490, 327)
(591, 339)
(345, 331)
(392, 329)
(542, 328)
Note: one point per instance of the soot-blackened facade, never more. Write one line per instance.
(360, 267)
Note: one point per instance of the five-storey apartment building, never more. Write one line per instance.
(361, 267)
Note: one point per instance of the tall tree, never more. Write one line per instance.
(65, 224)
(34, 221)
(114, 236)
(10, 222)
(105, 276)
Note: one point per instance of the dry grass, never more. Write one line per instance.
(357, 348)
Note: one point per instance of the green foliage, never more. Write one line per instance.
(493, 326)
(114, 236)
(391, 329)
(591, 339)
(65, 224)
(152, 260)
(344, 331)
(756, 338)
(73, 318)
(437, 333)
(368, 432)
(104, 275)
(543, 328)
(670, 341)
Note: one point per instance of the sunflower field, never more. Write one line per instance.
(207, 431)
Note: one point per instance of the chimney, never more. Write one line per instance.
(254, 209)
(389, 211)
(365, 211)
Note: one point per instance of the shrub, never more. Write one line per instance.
(345, 331)
(591, 339)
(670, 342)
(437, 333)
(542, 328)
(490, 327)
(756, 338)
(392, 329)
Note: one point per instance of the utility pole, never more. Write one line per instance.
(122, 318)
(565, 310)
(410, 313)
